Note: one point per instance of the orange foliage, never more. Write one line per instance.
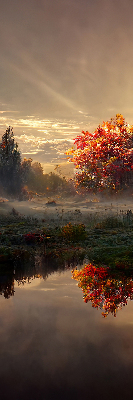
(104, 159)
(105, 291)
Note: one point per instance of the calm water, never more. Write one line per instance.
(54, 346)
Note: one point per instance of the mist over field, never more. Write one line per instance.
(57, 210)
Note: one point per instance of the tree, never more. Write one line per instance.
(104, 159)
(32, 175)
(10, 163)
(37, 168)
(26, 170)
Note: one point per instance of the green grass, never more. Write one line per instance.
(107, 241)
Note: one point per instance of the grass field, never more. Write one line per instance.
(98, 231)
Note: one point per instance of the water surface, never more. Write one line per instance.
(54, 346)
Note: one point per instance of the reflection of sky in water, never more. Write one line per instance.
(53, 346)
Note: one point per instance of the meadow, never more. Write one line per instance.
(79, 230)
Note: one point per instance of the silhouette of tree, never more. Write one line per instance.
(10, 164)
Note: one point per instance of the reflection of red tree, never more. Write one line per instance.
(106, 292)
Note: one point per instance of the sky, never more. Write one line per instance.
(65, 66)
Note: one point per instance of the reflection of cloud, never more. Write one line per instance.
(47, 289)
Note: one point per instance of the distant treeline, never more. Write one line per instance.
(22, 178)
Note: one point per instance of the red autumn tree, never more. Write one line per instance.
(104, 159)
